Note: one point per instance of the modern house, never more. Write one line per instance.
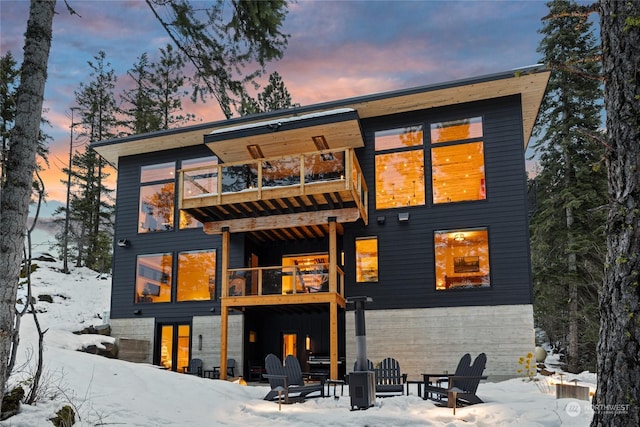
(245, 237)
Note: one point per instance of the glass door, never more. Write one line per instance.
(173, 346)
(289, 345)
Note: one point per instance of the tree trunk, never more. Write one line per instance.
(572, 268)
(617, 400)
(21, 162)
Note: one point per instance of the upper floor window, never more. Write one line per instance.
(366, 259)
(457, 162)
(157, 194)
(462, 258)
(399, 167)
(153, 278)
(201, 179)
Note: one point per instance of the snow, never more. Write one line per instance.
(113, 392)
(279, 122)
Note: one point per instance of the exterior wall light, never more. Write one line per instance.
(123, 243)
(403, 216)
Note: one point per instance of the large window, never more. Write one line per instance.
(156, 198)
(462, 258)
(196, 276)
(153, 278)
(366, 259)
(399, 167)
(457, 166)
(201, 179)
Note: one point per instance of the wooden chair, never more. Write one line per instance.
(289, 379)
(465, 380)
(194, 368)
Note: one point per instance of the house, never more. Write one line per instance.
(245, 237)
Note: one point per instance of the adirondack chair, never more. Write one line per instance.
(194, 368)
(289, 379)
(465, 381)
(389, 378)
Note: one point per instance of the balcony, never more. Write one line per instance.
(282, 198)
(281, 285)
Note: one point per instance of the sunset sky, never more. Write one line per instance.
(337, 49)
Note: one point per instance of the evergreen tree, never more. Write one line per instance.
(9, 81)
(139, 112)
(91, 208)
(20, 166)
(568, 228)
(617, 399)
(167, 88)
(275, 96)
(155, 102)
(222, 44)
(9, 74)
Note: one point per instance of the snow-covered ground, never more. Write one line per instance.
(113, 392)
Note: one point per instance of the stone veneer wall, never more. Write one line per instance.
(143, 329)
(209, 328)
(433, 340)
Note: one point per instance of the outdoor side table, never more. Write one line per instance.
(334, 383)
(418, 384)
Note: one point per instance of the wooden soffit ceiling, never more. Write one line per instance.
(339, 128)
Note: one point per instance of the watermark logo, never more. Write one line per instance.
(616, 409)
(573, 409)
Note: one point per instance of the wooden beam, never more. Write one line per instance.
(283, 299)
(282, 221)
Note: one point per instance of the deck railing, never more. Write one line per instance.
(261, 175)
(282, 280)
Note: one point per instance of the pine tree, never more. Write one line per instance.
(568, 228)
(139, 112)
(9, 74)
(617, 399)
(227, 48)
(167, 88)
(20, 166)
(274, 96)
(91, 208)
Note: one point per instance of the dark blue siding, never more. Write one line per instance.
(406, 255)
(406, 258)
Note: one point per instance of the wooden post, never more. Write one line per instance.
(224, 311)
(333, 306)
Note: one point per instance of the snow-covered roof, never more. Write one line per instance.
(283, 120)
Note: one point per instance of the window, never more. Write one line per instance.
(462, 258)
(201, 179)
(366, 259)
(153, 278)
(156, 198)
(196, 276)
(457, 168)
(399, 173)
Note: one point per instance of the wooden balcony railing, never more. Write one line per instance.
(320, 180)
(282, 280)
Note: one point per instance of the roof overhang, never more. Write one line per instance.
(287, 136)
(337, 121)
